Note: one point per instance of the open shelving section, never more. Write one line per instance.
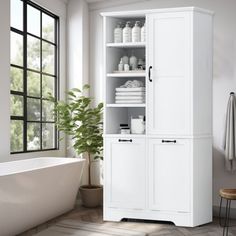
(121, 113)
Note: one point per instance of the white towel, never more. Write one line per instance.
(130, 89)
(132, 84)
(230, 134)
(130, 93)
(129, 97)
(130, 101)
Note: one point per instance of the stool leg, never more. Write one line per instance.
(226, 214)
(220, 218)
(228, 218)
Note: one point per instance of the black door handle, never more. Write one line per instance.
(168, 141)
(149, 73)
(125, 140)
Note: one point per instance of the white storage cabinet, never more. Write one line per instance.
(166, 173)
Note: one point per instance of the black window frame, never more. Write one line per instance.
(25, 69)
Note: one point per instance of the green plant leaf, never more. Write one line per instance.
(81, 121)
(86, 86)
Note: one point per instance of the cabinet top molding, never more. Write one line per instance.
(142, 13)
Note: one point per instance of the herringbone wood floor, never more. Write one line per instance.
(152, 228)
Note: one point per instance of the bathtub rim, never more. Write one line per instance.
(69, 161)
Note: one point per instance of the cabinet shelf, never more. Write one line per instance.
(126, 45)
(126, 105)
(127, 74)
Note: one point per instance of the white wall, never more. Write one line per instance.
(224, 67)
(59, 8)
(77, 54)
(4, 81)
(77, 43)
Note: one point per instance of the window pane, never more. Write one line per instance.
(48, 111)
(33, 20)
(32, 73)
(33, 109)
(17, 14)
(33, 84)
(48, 25)
(48, 136)
(33, 136)
(16, 105)
(16, 136)
(16, 79)
(48, 52)
(48, 83)
(16, 49)
(33, 53)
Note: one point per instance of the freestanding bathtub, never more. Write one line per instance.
(35, 190)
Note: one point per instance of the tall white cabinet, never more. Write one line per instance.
(166, 173)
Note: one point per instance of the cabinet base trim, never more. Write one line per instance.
(179, 219)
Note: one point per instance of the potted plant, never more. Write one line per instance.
(83, 123)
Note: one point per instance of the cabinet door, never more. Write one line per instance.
(169, 54)
(169, 175)
(125, 172)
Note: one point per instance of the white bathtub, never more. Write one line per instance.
(35, 190)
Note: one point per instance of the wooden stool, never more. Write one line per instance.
(228, 195)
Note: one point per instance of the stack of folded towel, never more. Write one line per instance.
(133, 91)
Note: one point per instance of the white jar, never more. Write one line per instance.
(133, 62)
(118, 34)
(127, 33)
(136, 32)
(126, 67)
(125, 60)
(137, 125)
(143, 33)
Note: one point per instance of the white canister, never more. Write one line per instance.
(118, 34)
(136, 32)
(137, 125)
(127, 33)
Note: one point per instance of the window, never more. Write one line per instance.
(33, 74)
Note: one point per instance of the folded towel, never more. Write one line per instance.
(230, 134)
(129, 97)
(132, 84)
(130, 101)
(130, 93)
(130, 89)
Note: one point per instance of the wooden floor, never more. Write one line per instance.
(152, 228)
